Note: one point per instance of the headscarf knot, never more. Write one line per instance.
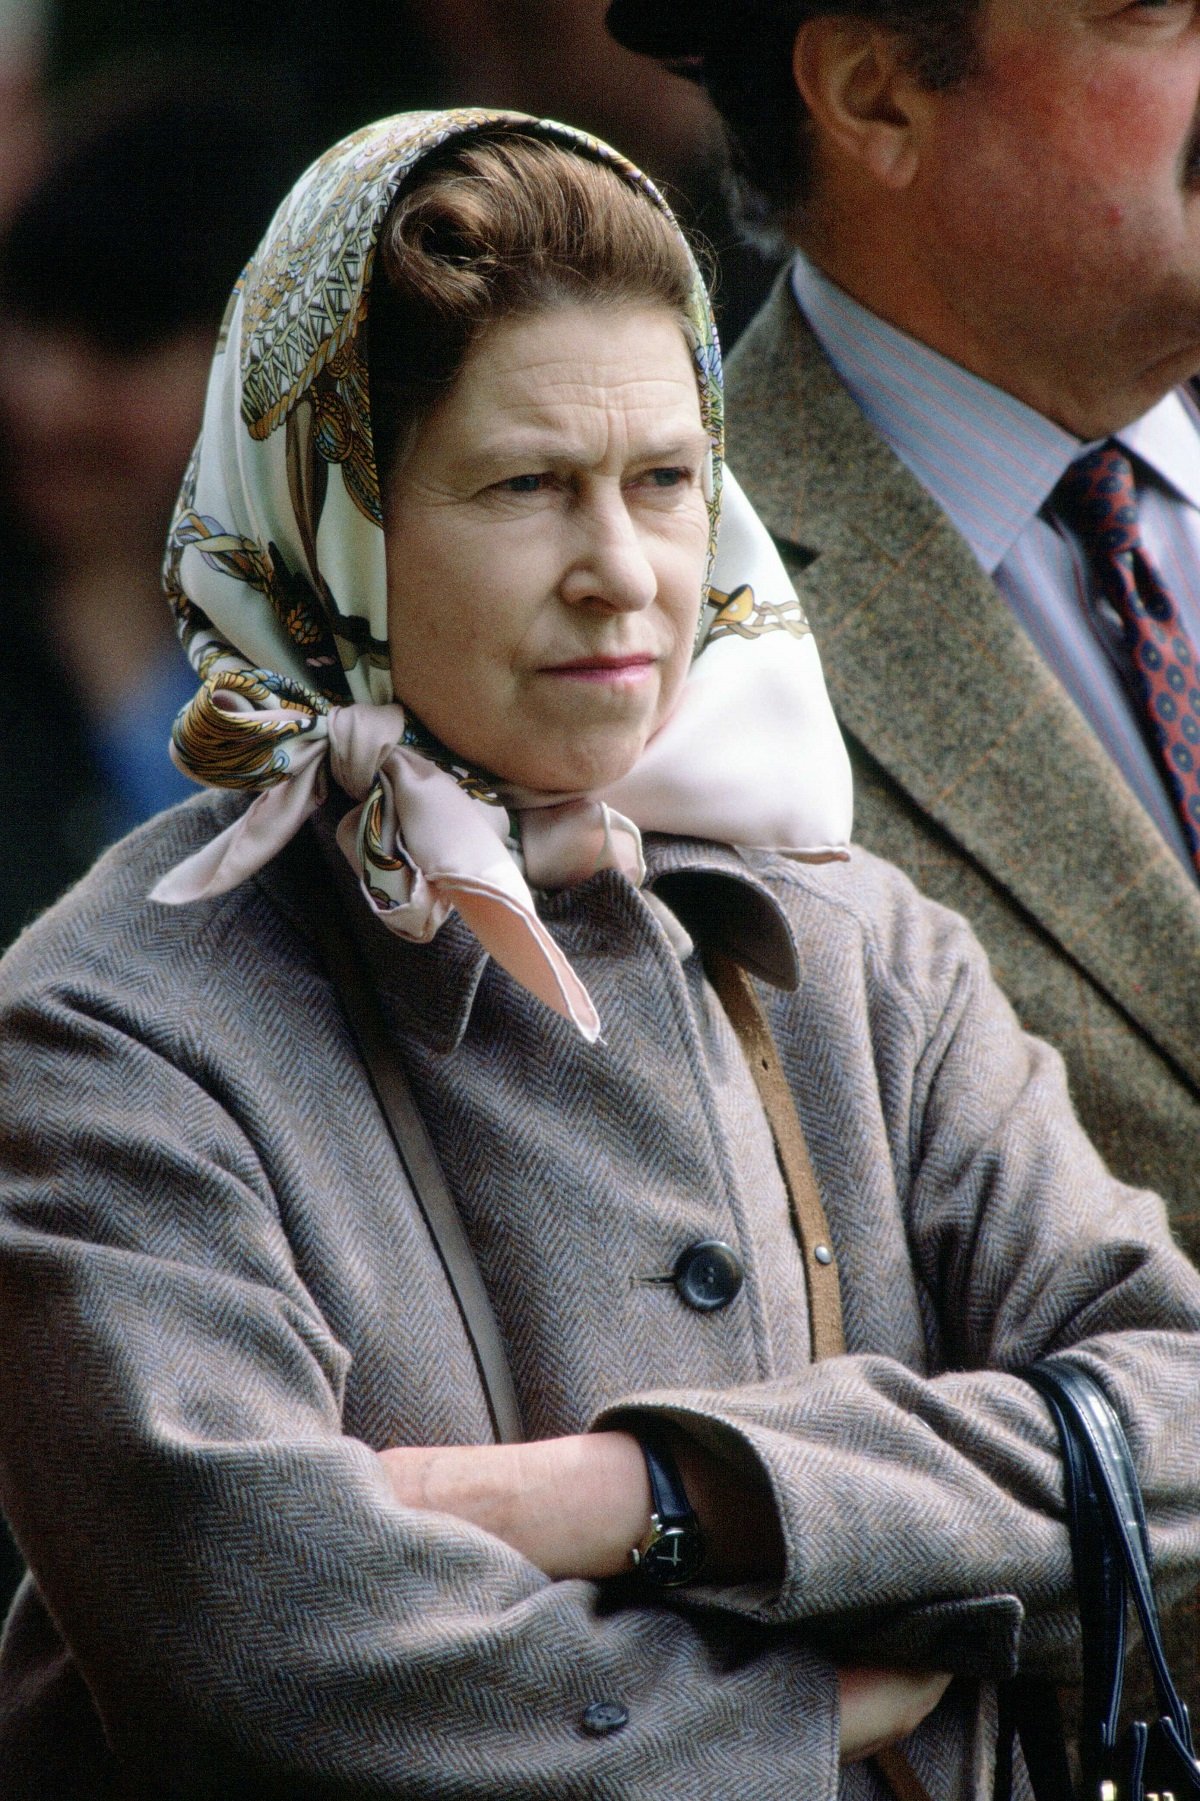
(276, 568)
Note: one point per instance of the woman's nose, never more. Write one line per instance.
(611, 568)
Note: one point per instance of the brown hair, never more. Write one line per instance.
(501, 223)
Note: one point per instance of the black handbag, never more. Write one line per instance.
(1110, 1548)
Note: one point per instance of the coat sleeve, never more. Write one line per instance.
(920, 1490)
(251, 1611)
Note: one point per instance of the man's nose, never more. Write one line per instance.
(611, 568)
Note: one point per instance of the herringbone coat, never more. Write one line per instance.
(219, 1298)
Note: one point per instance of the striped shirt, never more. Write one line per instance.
(992, 463)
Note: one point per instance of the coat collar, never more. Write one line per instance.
(933, 677)
(427, 991)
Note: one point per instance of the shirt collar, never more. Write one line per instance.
(989, 461)
(1167, 439)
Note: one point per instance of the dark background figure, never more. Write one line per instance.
(546, 57)
(114, 272)
(22, 101)
(113, 275)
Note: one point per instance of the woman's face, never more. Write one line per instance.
(546, 545)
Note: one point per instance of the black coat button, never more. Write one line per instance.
(708, 1275)
(604, 1716)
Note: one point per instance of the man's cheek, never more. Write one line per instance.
(1101, 118)
(1143, 129)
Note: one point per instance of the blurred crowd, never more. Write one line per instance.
(140, 159)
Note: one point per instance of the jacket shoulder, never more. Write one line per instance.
(863, 922)
(106, 945)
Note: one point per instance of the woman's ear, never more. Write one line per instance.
(863, 101)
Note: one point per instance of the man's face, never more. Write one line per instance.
(1057, 204)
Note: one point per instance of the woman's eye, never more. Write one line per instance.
(524, 484)
(667, 478)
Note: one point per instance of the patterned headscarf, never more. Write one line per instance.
(275, 568)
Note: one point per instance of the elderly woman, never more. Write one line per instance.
(536, 781)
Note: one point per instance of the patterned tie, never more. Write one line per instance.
(1098, 497)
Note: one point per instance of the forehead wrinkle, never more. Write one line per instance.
(613, 346)
(584, 412)
(568, 387)
(553, 387)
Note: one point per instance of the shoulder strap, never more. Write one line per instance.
(748, 1018)
(417, 1155)
(736, 993)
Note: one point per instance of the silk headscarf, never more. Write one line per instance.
(275, 569)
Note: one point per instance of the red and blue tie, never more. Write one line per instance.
(1098, 497)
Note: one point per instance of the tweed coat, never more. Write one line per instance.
(975, 772)
(973, 769)
(219, 1300)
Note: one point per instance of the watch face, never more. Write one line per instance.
(673, 1556)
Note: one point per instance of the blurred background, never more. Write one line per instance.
(143, 147)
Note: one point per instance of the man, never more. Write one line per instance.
(997, 209)
(996, 205)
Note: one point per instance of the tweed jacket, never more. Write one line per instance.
(219, 1300)
(973, 769)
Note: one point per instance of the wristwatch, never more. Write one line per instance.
(672, 1552)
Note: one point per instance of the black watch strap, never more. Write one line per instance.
(668, 1497)
(672, 1552)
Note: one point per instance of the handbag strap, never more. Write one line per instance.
(1110, 1554)
(344, 964)
(1099, 1577)
(1110, 1546)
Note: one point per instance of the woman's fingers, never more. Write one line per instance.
(880, 1707)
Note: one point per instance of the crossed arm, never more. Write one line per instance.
(291, 1599)
(574, 1507)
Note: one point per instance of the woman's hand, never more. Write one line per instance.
(577, 1506)
(881, 1707)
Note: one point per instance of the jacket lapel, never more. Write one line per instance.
(933, 677)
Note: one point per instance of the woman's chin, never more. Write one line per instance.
(575, 769)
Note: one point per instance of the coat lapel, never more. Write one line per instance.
(933, 677)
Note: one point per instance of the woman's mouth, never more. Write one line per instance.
(618, 671)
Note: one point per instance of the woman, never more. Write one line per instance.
(246, 1446)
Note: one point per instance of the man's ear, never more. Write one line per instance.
(863, 101)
